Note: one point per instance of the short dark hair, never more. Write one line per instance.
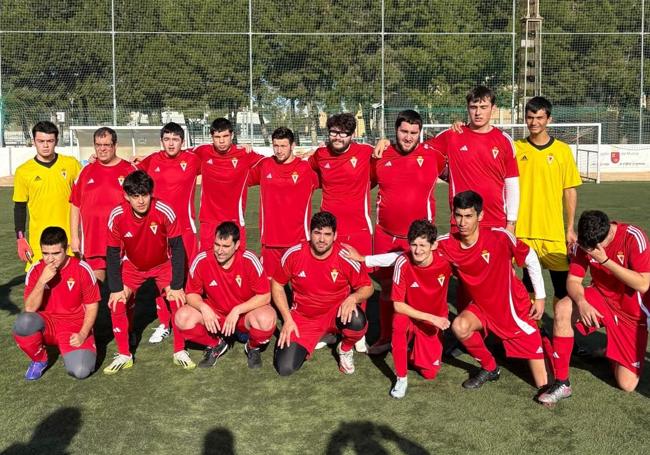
(220, 124)
(344, 121)
(283, 133)
(46, 127)
(138, 183)
(54, 235)
(480, 92)
(173, 128)
(539, 102)
(322, 220)
(467, 200)
(105, 131)
(409, 116)
(593, 227)
(228, 229)
(422, 228)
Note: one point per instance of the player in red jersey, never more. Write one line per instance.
(618, 260)
(61, 302)
(327, 290)
(225, 168)
(238, 298)
(144, 230)
(343, 167)
(174, 172)
(287, 184)
(406, 175)
(499, 302)
(97, 190)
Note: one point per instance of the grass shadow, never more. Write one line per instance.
(365, 437)
(5, 291)
(219, 441)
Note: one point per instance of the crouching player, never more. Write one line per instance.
(322, 278)
(144, 230)
(237, 299)
(61, 302)
(618, 260)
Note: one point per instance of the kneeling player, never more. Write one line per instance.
(322, 279)
(238, 299)
(61, 302)
(618, 260)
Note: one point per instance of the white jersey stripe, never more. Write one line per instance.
(645, 310)
(366, 210)
(354, 264)
(199, 257)
(29, 272)
(166, 210)
(397, 273)
(256, 262)
(443, 237)
(640, 238)
(512, 238)
(242, 221)
(89, 269)
(523, 325)
(286, 254)
(114, 213)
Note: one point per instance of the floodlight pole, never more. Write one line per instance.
(113, 62)
(2, 104)
(250, 71)
(382, 125)
(642, 79)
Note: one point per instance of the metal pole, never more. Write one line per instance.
(250, 70)
(641, 97)
(514, 44)
(113, 62)
(382, 125)
(2, 104)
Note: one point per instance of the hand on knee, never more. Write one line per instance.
(357, 323)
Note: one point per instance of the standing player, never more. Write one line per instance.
(61, 302)
(97, 190)
(343, 167)
(547, 175)
(225, 168)
(145, 230)
(406, 175)
(618, 260)
(482, 259)
(286, 187)
(43, 186)
(174, 172)
(238, 296)
(327, 290)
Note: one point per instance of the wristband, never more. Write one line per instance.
(20, 235)
(601, 263)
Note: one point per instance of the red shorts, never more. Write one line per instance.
(519, 344)
(426, 353)
(387, 243)
(362, 241)
(133, 278)
(96, 262)
(207, 234)
(271, 256)
(311, 329)
(58, 331)
(626, 339)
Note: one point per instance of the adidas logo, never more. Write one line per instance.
(269, 176)
(302, 274)
(38, 178)
(415, 285)
(128, 235)
(327, 165)
(213, 283)
(117, 330)
(463, 148)
(636, 364)
(389, 164)
(91, 181)
(524, 158)
(157, 169)
(436, 363)
(555, 355)
(539, 350)
(209, 161)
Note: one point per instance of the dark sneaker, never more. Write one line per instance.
(212, 354)
(555, 393)
(35, 370)
(254, 357)
(481, 378)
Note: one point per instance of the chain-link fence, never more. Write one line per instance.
(266, 63)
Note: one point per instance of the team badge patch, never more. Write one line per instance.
(238, 280)
(120, 180)
(234, 162)
(621, 257)
(420, 160)
(353, 160)
(334, 273)
(550, 158)
(441, 279)
(70, 283)
(154, 227)
(294, 177)
(183, 165)
(495, 152)
(485, 254)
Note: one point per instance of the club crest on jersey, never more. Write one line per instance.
(485, 254)
(550, 158)
(154, 227)
(64, 173)
(334, 273)
(294, 177)
(420, 160)
(621, 257)
(183, 165)
(495, 152)
(441, 279)
(120, 180)
(234, 162)
(238, 280)
(70, 283)
(353, 161)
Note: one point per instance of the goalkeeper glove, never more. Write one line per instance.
(25, 252)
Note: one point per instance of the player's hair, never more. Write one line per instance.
(228, 229)
(344, 121)
(54, 235)
(481, 92)
(173, 128)
(105, 131)
(593, 227)
(422, 228)
(409, 116)
(539, 102)
(138, 183)
(468, 200)
(221, 124)
(46, 127)
(283, 133)
(322, 220)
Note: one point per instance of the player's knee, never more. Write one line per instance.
(400, 323)
(264, 319)
(627, 382)
(79, 371)
(28, 323)
(562, 310)
(182, 319)
(460, 327)
(429, 374)
(80, 363)
(290, 359)
(357, 323)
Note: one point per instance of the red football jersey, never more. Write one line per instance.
(97, 190)
(406, 187)
(486, 271)
(479, 162)
(175, 182)
(345, 180)
(66, 294)
(226, 288)
(423, 288)
(629, 248)
(319, 284)
(285, 200)
(143, 240)
(224, 186)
